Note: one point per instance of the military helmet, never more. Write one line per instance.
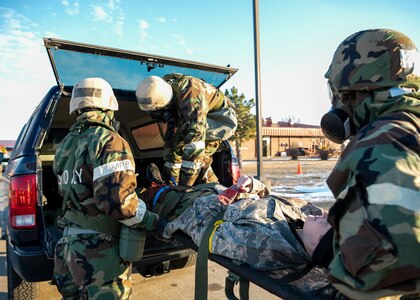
(94, 93)
(153, 93)
(373, 59)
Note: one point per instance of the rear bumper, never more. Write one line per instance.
(150, 260)
(31, 263)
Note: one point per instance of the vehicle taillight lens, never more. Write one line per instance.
(236, 173)
(23, 196)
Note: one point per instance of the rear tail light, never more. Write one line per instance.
(23, 199)
(236, 173)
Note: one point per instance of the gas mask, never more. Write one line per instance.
(337, 125)
(162, 115)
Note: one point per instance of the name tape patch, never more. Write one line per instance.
(112, 167)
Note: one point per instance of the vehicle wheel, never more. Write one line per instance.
(184, 262)
(18, 289)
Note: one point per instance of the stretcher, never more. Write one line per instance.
(307, 283)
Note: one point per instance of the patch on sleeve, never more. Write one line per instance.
(112, 167)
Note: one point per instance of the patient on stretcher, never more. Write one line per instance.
(264, 231)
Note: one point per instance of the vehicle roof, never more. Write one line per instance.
(123, 69)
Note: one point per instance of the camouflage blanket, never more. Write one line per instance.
(254, 231)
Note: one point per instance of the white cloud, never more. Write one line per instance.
(161, 20)
(25, 66)
(99, 13)
(111, 4)
(65, 3)
(118, 26)
(179, 38)
(143, 35)
(74, 9)
(143, 24)
(110, 13)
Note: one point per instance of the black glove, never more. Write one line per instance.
(160, 227)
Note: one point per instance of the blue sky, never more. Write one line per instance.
(297, 41)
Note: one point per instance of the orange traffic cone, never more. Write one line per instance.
(299, 169)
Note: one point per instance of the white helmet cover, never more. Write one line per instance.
(93, 92)
(153, 93)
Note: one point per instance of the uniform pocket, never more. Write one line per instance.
(368, 251)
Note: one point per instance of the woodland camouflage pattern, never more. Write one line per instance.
(91, 260)
(254, 231)
(94, 264)
(370, 59)
(194, 99)
(97, 145)
(377, 179)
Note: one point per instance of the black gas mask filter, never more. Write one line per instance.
(161, 115)
(164, 114)
(337, 125)
(115, 124)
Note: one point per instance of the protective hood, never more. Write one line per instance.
(382, 102)
(95, 118)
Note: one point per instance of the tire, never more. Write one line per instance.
(184, 262)
(18, 289)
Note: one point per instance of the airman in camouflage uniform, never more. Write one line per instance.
(184, 105)
(261, 232)
(96, 176)
(374, 78)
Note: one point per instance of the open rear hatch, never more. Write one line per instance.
(123, 69)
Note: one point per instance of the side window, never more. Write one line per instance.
(149, 136)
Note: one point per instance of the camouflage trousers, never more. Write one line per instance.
(86, 266)
(171, 201)
(205, 174)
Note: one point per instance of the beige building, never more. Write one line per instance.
(278, 138)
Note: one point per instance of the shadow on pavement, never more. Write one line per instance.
(3, 262)
(3, 273)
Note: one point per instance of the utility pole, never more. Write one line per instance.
(257, 90)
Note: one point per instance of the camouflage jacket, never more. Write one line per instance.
(376, 217)
(254, 230)
(102, 178)
(186, 133)
(194, 99)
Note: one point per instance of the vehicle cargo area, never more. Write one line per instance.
(145, 139)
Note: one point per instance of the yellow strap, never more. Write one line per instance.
(216, 225)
